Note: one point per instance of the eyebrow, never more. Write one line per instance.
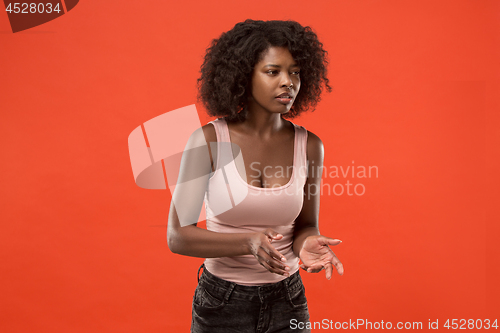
(278, 66)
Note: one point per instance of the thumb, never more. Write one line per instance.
(323, 240)
(272, 234)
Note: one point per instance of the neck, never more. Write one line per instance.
(263, 123)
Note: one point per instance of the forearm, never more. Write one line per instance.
(301, 235)
(197, 242)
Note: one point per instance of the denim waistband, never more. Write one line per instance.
(216, 285)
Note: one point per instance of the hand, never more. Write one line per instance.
(316, 255)
(266, 254)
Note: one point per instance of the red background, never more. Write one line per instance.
(415, 93)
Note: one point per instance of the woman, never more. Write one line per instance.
(261, 198)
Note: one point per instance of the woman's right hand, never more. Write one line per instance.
(266, 254)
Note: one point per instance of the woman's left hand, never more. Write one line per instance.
(316, 255)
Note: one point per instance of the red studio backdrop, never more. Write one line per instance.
(415, 97)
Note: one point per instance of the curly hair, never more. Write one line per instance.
(229, 61)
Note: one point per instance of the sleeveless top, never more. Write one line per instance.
(234, 206)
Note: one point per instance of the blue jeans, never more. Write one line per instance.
(220, 306)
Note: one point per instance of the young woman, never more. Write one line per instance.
(256, 179)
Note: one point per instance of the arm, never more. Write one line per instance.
(309, 245)
(186, 238)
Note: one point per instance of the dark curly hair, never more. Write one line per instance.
(229, 61)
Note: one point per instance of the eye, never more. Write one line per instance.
(272, 72)
(296, 73)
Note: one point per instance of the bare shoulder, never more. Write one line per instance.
(315, 149)
(209, 132)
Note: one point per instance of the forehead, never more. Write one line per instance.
(275, 54)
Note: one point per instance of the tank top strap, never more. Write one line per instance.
(221, 130)
(224, 153)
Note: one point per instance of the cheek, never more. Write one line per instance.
(260, 89)
(255, 85)
(297, 86)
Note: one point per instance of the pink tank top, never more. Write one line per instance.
(234, 206)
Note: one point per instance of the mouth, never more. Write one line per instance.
(284, 98)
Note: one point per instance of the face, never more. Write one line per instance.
(275, 81)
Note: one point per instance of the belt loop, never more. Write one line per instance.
(198, 275)
(229, 292)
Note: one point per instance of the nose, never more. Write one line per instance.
(286, 80)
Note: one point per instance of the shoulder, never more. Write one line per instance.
(209, 132)
(315, 149)
(202, 136)
(313, 140)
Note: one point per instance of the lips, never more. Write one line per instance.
(284, 98)
(284, 95)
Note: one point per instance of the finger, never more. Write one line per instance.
(328, 271)
(271, 250)
(329, 241)
(303, 267)
(272, 234)
(275, 258)
(315, 268)
(268, 264)
(338, 265)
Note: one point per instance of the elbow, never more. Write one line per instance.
(173, 242)
(176, 242)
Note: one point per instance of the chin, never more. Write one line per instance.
(282, 112)
(285, 111)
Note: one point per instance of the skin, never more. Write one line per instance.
(267, 138)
